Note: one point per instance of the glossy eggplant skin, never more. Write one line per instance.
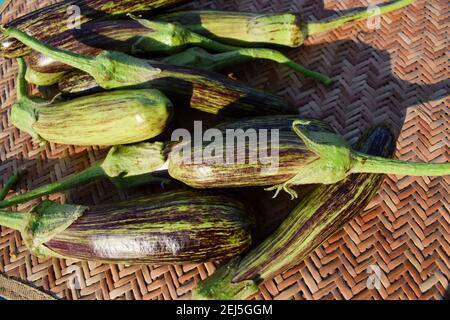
(171, 228)
(53, 19)
(215, 173)
(91, 40)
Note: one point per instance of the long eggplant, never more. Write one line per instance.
(202, 90)
(144, 37)
(287, 153)
(108, 118)
(314, 220)
(170, 228)
(286, 29)
(306, 156)
(54, 19)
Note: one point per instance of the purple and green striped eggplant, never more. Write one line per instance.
(314, 220)
(202, 90)
(141, 37)
(107, 118)
(242, 155)
(284, 152)
(251, 29)
(54, 19)
(171, 228)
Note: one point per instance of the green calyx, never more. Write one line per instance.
(24, 112)
(134, 160)
(41, 224)
(337, 160)
(220, 286)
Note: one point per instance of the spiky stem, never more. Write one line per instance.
(91, 174)
(328, 25)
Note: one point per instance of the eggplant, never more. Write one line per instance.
(297, 152)
(317, 217)
(202, 90)
(283, 29)
(53, 19)
(175, 227)
(301, 154)
(107, 118)
(143, 37)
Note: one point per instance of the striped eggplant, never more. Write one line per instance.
(203, 90)
(144, 37)
(77, 83)
(55, 19)
(295, 152)
(108, 118)
(171, 228)
(299, 154)
(286, 29)
(314, 220)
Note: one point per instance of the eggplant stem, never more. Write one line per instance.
(363, 163)
(258, 53)
(86, 176)
(13, 220)
(331, 24)
(12, 181)
(78, 61)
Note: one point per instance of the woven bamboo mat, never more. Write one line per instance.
(397, 74)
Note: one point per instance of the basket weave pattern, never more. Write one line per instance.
(397, 75)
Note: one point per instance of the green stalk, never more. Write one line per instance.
(200, 58)
(369, 164)
(43, 79)
(91, 174)
(11, 183)
(13, 220)
(328, 25)
(126, 166)
(77, 61)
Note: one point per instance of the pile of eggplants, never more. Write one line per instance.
(121, 79)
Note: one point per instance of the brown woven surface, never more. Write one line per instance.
(396, 75)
